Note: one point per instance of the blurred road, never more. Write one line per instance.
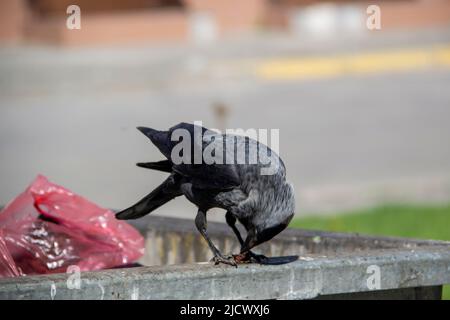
(348, 140)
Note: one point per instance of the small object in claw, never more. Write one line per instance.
(242, 258)
(249, 257)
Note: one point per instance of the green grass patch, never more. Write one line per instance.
(421, 222)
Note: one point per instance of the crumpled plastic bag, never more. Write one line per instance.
(48, 228)
(8, 267)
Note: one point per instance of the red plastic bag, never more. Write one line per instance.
(8, 267)
(48, 228)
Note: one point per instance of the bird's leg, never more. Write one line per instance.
(200, 223)
(231, 221)
(246, 255)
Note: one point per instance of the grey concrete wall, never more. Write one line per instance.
(327, 265)
(308, 277)
(176, 241)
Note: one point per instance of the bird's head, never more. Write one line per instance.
(272, 210)
(261, 233)
(269, 232)
(275, 220)
(274, 226)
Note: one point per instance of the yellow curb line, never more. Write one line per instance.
(366, 63)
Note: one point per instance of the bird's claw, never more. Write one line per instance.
(234, 260)
(225, 260)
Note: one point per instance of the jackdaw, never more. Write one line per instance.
(263, 202)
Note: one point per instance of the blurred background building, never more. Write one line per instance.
(116, 22)
(363, 114)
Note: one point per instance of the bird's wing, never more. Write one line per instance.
(228, 159)
(202, 175)
(209, 173)
(161, 139)
(163, 165)
(215, 176)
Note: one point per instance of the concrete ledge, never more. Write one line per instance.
(309, 277)
(176, 241)
(325, 265)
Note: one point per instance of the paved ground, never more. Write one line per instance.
(348, 140)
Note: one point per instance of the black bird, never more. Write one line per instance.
(263, 203)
